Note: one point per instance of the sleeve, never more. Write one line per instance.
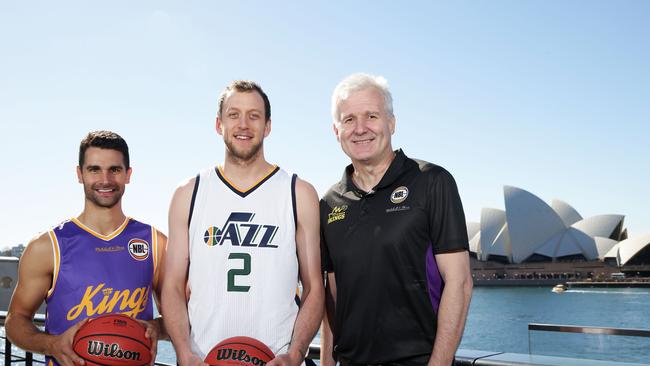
(326, 261)
(447, 228)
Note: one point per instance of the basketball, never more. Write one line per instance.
(113, 340)
(239, 351)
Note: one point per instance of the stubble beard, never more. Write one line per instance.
(242, 155)
(109, 202)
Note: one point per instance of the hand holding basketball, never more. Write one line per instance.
(113, 340)
(61, 346)
(152, 333)
(286, 359)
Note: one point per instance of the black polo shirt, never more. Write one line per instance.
(381, 245)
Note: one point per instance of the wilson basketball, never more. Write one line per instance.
(239, 351)
(113, 340)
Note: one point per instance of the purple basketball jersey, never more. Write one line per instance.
(97, 274)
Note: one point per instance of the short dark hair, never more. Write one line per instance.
(245, 86)
(104, 140)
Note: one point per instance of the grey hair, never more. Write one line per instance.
(361, 81)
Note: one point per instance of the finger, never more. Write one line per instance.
(77, 360)
(154, 351)
(71, 360)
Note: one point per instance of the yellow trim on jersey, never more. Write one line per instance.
(273, 168)
(108, 237)
(154, 249)
(57, 261)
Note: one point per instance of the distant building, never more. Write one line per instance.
(529, 231)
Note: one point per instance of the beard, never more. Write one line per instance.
(98, 200)
(243, 155)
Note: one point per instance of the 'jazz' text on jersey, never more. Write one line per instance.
(239, 230)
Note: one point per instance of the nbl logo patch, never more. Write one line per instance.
(399, 194)
(139, 249)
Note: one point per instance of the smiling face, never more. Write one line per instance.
(104, 176)
(364, 128)
(243, 125)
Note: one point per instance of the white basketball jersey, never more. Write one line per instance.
(243, 262)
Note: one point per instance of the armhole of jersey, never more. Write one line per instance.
(154, 250)
(56, 257)
(196, 189)
(293, 200)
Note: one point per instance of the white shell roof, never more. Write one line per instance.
(501, 245)
(474, 244)
(604, 246)
(492, 221)
(473, 228)
(586, 243)
(628, 248)
(567, 213)
(531, 222)
(600, 225)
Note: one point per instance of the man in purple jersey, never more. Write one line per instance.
(394, 244)
(101, 262)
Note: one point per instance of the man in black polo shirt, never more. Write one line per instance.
(394, 243)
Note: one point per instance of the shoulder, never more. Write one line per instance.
(40, 243)
(184, 191)
(334, 192)
(305, 188)
(306, 197)
(434, 174)
(39, 250)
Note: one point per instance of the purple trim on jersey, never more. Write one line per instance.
(434, 280)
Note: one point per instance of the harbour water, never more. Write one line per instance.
(499, 316)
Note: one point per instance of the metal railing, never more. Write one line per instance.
(589, 330)
(463, 357)
(39, 320)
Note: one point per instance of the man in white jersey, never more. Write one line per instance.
(240, 236)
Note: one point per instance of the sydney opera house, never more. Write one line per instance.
(555, 238)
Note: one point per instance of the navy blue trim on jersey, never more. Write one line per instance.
(251, 189)
(196, 189)
(293, 199)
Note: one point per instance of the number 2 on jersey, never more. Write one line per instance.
(232, 287)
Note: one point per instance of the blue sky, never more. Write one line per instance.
(549, 96)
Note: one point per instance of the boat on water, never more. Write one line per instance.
(560, 288)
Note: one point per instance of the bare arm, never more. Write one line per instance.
(327, 336)
(456, 295)
(158, 280)
(311, 300)
(35, 273)
(156, 327)
(177, 259)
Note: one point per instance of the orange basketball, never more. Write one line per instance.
(113, 340)
(239, 351)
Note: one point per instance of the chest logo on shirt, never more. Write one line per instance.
(338, 213)
(139, 249)
(399, 195)
(240, 230)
